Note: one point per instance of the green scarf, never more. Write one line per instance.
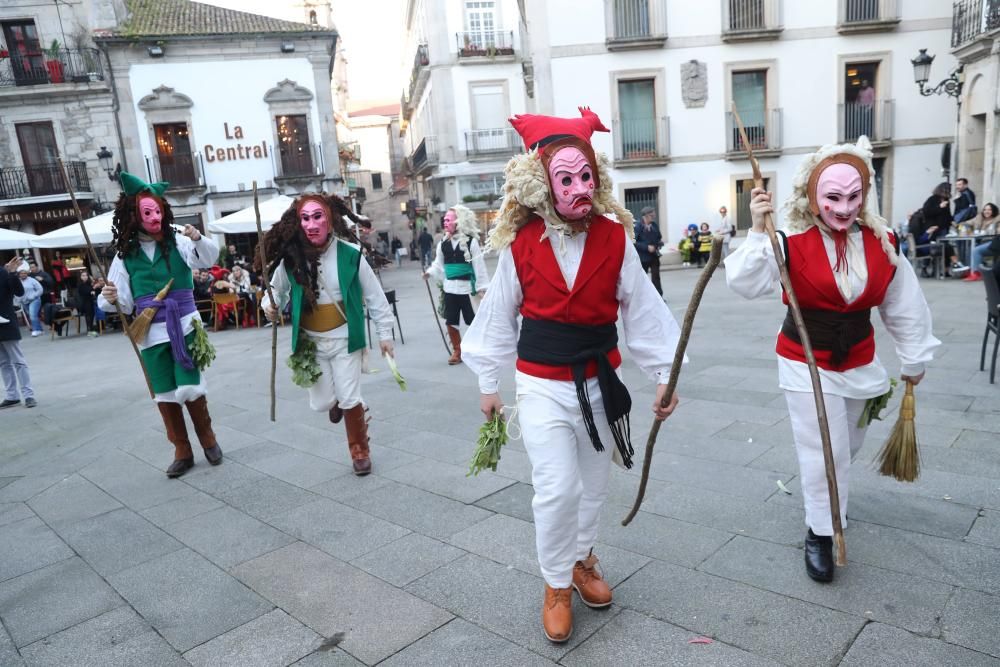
(459, 271)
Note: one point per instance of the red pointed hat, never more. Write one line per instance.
(541, 130)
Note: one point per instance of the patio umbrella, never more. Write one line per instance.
(71, 236)
(11, 240)
(245, 221)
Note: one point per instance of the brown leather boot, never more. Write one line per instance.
(173, 420)
(557, 613)
(589, 583)
(357, 439)
(198, 409)
(456, 345)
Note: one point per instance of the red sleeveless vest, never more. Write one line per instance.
(593, 298)
(816, 288)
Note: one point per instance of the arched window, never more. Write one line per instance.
(312, 16)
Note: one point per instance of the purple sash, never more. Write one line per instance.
(177, 304)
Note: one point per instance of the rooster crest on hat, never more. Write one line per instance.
(526, 190)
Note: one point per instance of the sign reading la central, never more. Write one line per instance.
(237, 152)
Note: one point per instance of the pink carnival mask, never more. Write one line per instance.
(840, 195)
(150, 216)
(315, 222)
(571, 177)
(450, 222)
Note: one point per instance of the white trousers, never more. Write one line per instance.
(846, 440)
(341, 378)
(570, 477)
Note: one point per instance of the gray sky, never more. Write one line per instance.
(371, 32)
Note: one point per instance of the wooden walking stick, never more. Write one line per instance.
(840, 553)
(675, 369)
(270, 296)
(434, 308)
(97, 260)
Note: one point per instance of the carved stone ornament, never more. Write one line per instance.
(694, 84)
(164, 98)
(287, 91)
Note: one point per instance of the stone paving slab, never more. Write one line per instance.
(781, 628)
(722, 477)
(906, 601)
(448, 480)
(660, 537)
(229, 475)
(407, 559)
(462, 643)
(185, 507)
(187, 599)
(514, 500)
(134, 483)
(986, 529)
(266, 498)
(634, 639)
(28, 545)
(228, 537)
(339, 530)
(14, 512)
(73, 499)
(880, 644)
(333, 597)
(119, 637)
(970, 620)
(272, 640)
(118, 540)
(46, 601)
(328, 658)
(291, 465)
(8, 652)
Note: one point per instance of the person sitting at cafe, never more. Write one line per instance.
(987, 222)
(202, 285)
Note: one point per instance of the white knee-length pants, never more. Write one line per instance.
(570, 477)
(846, 439)
(341, 378)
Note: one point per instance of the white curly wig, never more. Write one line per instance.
(797, 207)
(526, 192)
(467, 228)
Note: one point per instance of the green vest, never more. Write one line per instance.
(150, 276)
(348, 262)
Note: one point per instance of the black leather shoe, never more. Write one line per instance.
(10, 402)
(336, 414)
(214, 455)
(179, 467)
(819, 557)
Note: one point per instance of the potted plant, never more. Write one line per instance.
(4, 53)
(53, 64)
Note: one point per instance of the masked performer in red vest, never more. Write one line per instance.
(459, 264)
(843, 262)
(149, 254)
(567, 270)
(316, 265)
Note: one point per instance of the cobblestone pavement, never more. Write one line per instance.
(281, 556)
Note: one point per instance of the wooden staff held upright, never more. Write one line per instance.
(97, 260)
(840, 555)
(270, 296)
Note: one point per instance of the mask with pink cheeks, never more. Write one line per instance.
(450, 222)
(315, 222)
(571, 177)
(150, 215)
(839, 196)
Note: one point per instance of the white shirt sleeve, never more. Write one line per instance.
(436, 269)
(479, 266)
(490, 344)
(651, 332)
(751, 270)
(907, 318)
(200, 254)
(118, 274)
(280, 287)
(378, 307)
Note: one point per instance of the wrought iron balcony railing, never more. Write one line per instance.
(496, 142)
(971, 18)
(750, 19)
(424, 155)
(632, 22)
(181, 170)
(763, 128)
(872, 120)
(65, 66)
(485, 44)
(641, 139)
(862, 13)
(42, 180)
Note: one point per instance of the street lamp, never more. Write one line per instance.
(104, 158)
(952, 86)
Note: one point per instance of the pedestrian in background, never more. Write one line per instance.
(86, 301)
(648, 242)
(703, 244)
(13, 366)
(426, 243)
(30, 298)
(725, 229)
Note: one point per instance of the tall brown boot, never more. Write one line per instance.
(198, 409)
(357, 439)
(173, 420)
(456, 345)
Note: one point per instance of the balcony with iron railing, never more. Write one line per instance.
(763, 128)
(44, 180)
(972, 18)
(424, 156)
(867, 15)
(874, 121)
(419, 75)
(181, 170)
(297, 162)
(492, 143)
(745, 20)
(62, 66)
(641, 141)
(493, 45)
(635, 24)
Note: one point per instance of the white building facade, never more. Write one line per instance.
(664, 74)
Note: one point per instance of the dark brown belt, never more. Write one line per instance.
(831, 331)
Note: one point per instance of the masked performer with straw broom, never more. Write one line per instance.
(151, 258)
(843, 262)
(316, 264)
(568, 270)
(459, 264)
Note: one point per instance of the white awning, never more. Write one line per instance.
(245, 221)
(70, 236)
(11, 240)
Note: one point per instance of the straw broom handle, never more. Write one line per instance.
(675, 369)
(840, 555)
(434, 308)
(270, 296)
(97, 260)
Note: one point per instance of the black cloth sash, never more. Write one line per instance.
(573, 345)
(831, 330)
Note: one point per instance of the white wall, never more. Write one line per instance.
(242, 85)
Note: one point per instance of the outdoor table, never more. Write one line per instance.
(963, 247)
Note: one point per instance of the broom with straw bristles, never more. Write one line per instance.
(899, 457)
(140, 325)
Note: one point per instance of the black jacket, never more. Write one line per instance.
(935, 215)
(644, 239)
(10, 286)
(425, 241)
